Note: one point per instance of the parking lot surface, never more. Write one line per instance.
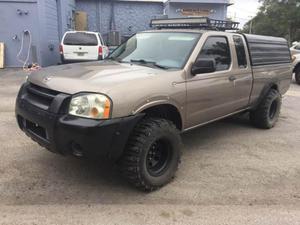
(231, 173)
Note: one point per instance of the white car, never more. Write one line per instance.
(296, 66)
(77, 46)
(295, 49)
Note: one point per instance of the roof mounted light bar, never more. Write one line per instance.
(194, 23)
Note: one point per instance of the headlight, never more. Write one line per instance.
(95, 106)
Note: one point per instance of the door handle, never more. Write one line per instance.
(232, 78)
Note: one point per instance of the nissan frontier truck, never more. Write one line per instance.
(132, 107)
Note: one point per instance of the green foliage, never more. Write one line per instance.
(277, 18)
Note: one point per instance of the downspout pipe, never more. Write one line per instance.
(112, 23)
(98, 15)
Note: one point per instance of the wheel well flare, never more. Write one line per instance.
(165, 111)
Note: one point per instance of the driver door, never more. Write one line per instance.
(213, 95)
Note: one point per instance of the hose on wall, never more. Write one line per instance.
(27, 67)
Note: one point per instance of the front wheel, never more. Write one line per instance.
(152, 155)
(267, 112)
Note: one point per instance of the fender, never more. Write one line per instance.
(157, 101)
(263, 94)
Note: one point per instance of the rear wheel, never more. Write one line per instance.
(267, 113)
(152, 155)
(297, 75)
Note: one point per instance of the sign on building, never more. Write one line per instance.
(195, 12)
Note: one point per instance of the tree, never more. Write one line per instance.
(277, 18)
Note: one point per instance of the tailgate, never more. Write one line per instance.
(80, 52)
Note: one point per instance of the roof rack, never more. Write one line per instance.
(194, 23)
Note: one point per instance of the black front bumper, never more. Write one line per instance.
(59, 132)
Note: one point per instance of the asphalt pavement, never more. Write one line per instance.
(231, 173)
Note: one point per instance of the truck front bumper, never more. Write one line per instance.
(66, 134)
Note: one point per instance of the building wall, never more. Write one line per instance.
(48, 31)
(15, 17)
(45, 19)
(130, 17)
(55, 18)
(66, 9)
(48, 20)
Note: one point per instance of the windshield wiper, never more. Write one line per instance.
(143, 61)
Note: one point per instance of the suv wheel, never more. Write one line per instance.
(267, 113)
(297, 75)
(152, 155)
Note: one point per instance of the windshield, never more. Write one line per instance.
(164, 50)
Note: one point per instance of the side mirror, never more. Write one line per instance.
(203, 65)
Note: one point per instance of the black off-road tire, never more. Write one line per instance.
(297, 75)
(151, 135)
(267, 113)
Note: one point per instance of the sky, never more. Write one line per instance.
(242, 10)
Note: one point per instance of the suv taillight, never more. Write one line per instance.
(61, 49)
(100, 50)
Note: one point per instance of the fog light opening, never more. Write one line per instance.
(76, 150)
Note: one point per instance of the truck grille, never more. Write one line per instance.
(40, 97)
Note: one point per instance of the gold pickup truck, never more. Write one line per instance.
(132, 107)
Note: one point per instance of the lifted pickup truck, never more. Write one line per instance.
(133, 106)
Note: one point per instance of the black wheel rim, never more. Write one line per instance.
(273, 109)
(158, 157)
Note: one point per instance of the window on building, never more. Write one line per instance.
(240, 51)
(218, 49)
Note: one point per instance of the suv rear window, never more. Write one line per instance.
(81, 39)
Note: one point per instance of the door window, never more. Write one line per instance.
(217, 48)
(240, 51)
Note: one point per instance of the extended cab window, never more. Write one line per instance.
(218, 49)
(240, 51)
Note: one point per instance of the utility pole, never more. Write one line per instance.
(251, 25)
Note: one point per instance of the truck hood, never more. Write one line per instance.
(92, 76)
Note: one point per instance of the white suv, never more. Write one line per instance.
(82, 46)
